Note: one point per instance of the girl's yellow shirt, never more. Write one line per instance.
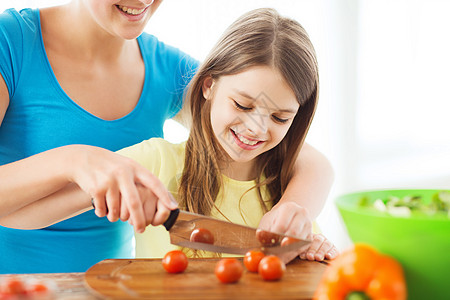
(166, 161)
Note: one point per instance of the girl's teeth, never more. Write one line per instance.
(131, 11)
(247, 142)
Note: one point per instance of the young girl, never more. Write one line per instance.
(252, 102)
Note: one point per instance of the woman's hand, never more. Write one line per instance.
(120, 187)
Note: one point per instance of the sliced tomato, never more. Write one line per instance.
(288, 240)
(202, 235)
(267, 238)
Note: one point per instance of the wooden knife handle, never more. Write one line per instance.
(171, 219)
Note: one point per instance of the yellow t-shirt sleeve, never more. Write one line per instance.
(145, 153)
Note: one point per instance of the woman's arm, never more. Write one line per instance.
(71, 201)
(63, 204)
(113, 181)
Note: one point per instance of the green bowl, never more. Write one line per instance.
(421, 243)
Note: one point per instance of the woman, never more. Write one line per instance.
(83, 73)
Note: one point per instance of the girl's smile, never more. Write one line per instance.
(245, 143)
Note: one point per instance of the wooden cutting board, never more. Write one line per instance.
(147, 279)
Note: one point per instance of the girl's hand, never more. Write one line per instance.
(114, 182)
(288, 218)
(291, 219)
(320, 248)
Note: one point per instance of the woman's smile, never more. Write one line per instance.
(133, 14)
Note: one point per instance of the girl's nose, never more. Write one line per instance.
(257, 123)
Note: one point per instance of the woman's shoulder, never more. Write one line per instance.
(164, 52)
(151, 42)
(26, 18)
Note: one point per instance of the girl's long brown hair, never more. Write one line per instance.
(259, 38)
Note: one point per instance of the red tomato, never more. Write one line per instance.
(271, 268)
(228, 270)
(288, 240)
(267, 238)
(202, 235)
(38, 288)
(252, 259)
(175, 261)
(13, 286)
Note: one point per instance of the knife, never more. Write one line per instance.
(228, 237)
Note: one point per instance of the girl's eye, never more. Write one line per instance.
(240, 107)
(279, 120)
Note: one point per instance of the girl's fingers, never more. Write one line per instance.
(149, 208)
(288, 218)
(317, 242)
(162, 213)
(323, 250)
(332, 253)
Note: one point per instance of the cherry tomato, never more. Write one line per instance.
(288, 240)
(228, 270)
(13, 286)
(202, 235)
(252, 259)
(175, 261)
(271, 268)
(267, 238)
(38, 288)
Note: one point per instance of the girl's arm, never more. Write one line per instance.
(312, 181)
(304, 197)
(111, 179)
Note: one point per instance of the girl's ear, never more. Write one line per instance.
(207, 87)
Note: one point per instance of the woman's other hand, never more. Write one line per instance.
(120, 187)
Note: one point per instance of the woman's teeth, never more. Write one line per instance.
(131, 11)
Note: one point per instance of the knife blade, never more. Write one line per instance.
(228, 237)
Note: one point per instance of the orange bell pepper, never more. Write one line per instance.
(362, 273)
